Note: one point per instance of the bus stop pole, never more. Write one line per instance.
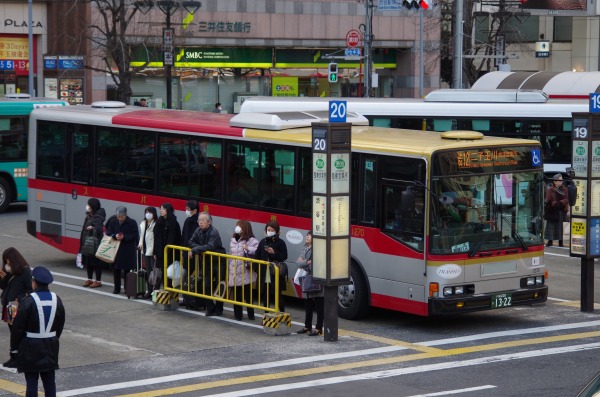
(587, 285)
(330, 333)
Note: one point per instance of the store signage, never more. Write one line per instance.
(22, 24)
(224, 27)
(542, 49)
(284, 86)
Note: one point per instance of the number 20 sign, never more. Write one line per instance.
(337, 111)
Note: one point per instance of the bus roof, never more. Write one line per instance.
(409, 107)
(364, 138)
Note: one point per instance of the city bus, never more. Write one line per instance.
(442, 223)
(528, 114)
(14, 121)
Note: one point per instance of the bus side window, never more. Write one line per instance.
(370, 183)
(403, 211)
(51, 150)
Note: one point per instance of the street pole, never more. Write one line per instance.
(421, 53)
(168, 67)
(368, 30)
(458, 45)
(31, 65)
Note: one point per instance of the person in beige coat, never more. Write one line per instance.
(146, 244)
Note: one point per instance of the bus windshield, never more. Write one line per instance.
(475, 213)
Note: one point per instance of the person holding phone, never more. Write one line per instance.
(15, 282)
(271, 249)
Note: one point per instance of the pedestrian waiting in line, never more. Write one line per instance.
(313, 300)
(93, 225)
(241, 275)
(146, 245)
(124, 229)
(272, 249)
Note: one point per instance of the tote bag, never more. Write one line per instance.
(107, 250)
(309, 286)
(90, 245)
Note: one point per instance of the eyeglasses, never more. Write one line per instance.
(202, 220)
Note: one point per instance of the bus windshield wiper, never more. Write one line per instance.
(515, 234)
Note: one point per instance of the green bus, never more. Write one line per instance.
(14, 124)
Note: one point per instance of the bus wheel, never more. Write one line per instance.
(353, 298)
(6, 193)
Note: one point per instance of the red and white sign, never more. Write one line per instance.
(353, 38)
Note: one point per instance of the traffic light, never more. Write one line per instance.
(332, 76)
(425, 4)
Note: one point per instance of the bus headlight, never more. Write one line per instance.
(539, 280)
(447, 291)
(530, 281)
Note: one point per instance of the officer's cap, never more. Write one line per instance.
(42, 275)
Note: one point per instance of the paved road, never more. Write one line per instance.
(118, 347)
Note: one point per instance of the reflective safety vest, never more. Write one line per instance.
(45, 323)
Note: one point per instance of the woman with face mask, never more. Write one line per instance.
(146, 244)
(92, 225)
(166, 232)
(15, 282)
(243, 243)
(271, 249)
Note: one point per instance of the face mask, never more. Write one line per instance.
(238, 229)
(188, 213)
(8, 268)
(270, 234)
(149, 216)
(88, 208)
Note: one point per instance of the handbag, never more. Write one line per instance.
(300, 274)
(79, 261)
(107, 249)
(309, 286)
(90, 245)
(155, 277)
(283, 268)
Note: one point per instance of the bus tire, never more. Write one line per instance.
(6, 194)
(353, 299)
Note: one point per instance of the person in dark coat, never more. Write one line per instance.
(189, 227)
(166, 232)
(124, 229)
(207, 238)
(556, 206)
(15, 282)
(271, 249)
(313, 301)
(34, 345)
(92, 225)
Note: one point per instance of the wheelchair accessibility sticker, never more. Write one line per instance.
(536, 157)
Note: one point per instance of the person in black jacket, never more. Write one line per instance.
(166, 232)
(271, 249)
(207, 238)
(15, 282)
(189, 227)
(124, 229)
(35, 346)
(92, 225)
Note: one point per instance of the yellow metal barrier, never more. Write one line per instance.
(213, 283)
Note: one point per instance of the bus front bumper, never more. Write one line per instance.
(474, 303)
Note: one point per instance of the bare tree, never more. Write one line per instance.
(487, 26)
(110, 33)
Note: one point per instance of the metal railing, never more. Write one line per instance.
(207, 276)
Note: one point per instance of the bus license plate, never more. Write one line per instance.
(501, 300)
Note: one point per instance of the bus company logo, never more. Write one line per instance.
(339, 164)
(294, 237)
(580, 150)
(320, 164)
(449, 271)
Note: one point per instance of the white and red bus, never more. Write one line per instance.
(527, 114)
(441, 223)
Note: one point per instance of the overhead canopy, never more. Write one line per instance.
(566, 85)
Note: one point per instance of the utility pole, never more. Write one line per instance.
(458, 45)
(368, 44)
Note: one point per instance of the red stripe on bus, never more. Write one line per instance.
(561, 96)
(377, 241)
(399, 304)
(206, 123)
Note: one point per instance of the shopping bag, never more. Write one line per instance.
(107, 250)
(175, 273)
(79, 261)
(90, 245)
(309, 286)
(300, 273)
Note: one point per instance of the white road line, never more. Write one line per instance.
(312, 359)
(406, 371)
(458, 391)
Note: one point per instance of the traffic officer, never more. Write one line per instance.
(34, 336)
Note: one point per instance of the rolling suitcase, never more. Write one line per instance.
(135, 280)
